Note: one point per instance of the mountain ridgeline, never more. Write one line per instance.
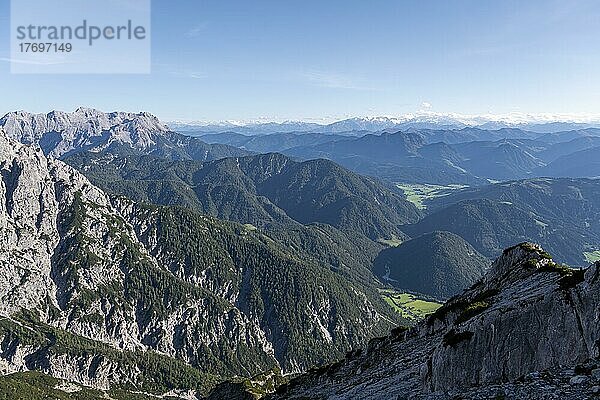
(438, 264)
(561, 214)
(59, 134)
(466, 155)
(258, 190)
(527, 330)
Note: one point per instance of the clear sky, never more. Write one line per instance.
(287, 59)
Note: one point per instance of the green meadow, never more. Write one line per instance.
(418, 193)
(410, 306)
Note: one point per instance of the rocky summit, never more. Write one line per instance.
(60, 134)
(528, 329)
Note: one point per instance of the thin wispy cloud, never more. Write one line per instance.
(333, 80)
(177, 71)
(188, 74)
(31, 62)
(197, 30)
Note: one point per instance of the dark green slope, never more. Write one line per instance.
(486, 224)
(277, 286)
(346, 254)
(562, 214)
(566, 199)
(322, 191)
(225, 271)
(438, 264)
(258, 190)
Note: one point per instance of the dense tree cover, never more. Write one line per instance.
(257, 190)
(277, 286)
(438, 264)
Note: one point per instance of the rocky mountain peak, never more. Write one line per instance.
(516, 263)
(59, 133)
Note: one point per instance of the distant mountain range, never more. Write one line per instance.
(420, 120)
(466, 156)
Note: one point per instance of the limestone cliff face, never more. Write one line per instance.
(70, 256)
(527, 314)
(60, 133)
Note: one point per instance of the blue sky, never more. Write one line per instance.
(215, 60)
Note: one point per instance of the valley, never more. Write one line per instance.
(410, 306)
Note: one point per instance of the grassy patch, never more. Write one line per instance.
(563, 270)
(592, 256)
(570, 277)
(393, 242)
(249, 227)
(417, 193)
(408, 305)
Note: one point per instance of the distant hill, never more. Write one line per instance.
(396, 157)
(411, 157)
(501, 160)
(276, 142)
(438, 264)
(554, 151)
(580, 163)
(488, 225)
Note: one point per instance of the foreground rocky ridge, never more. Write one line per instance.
(527, 314)
(103, 291)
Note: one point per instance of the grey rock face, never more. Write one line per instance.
(59, 133)
(37, 197)
(527, 314)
